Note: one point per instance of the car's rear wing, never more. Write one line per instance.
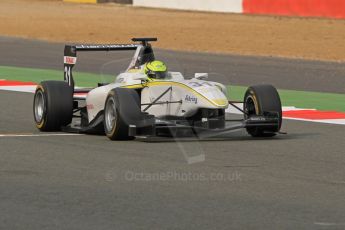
(143, 54)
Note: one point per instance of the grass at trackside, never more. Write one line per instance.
(301, 99)
(38, 75)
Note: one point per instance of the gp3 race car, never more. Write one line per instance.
(135, 105)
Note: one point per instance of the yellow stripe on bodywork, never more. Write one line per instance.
(216, 102)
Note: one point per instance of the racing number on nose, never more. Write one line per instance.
(199, 84)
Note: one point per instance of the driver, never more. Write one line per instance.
(156, 70)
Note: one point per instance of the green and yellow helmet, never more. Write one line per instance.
(156, 70)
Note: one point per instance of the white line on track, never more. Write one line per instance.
(325, 121)
(39, 135)
(20, 88)
(329, 224)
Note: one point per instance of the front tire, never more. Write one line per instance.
(122, 108)
(53, 105)
(260, 99)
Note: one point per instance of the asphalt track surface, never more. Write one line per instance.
(228, 69)
(293, 181)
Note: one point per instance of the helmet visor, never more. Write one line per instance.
(158, 75)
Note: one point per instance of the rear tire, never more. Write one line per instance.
(259, 99)
(53, 105)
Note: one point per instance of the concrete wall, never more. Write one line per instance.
(302, 8)
(100, 1)
(117, 1)
(234, 6)
(81, 1)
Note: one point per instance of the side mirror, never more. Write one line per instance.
(140, 77)
(201, 76)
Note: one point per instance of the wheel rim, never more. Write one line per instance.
(110, 114)
(250, 107)
(39, 106)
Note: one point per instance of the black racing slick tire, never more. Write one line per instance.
(259, 99)
(122, 109)
(53, 105)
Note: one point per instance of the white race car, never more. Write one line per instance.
(137, 105)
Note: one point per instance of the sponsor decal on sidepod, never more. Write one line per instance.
(191, 99)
